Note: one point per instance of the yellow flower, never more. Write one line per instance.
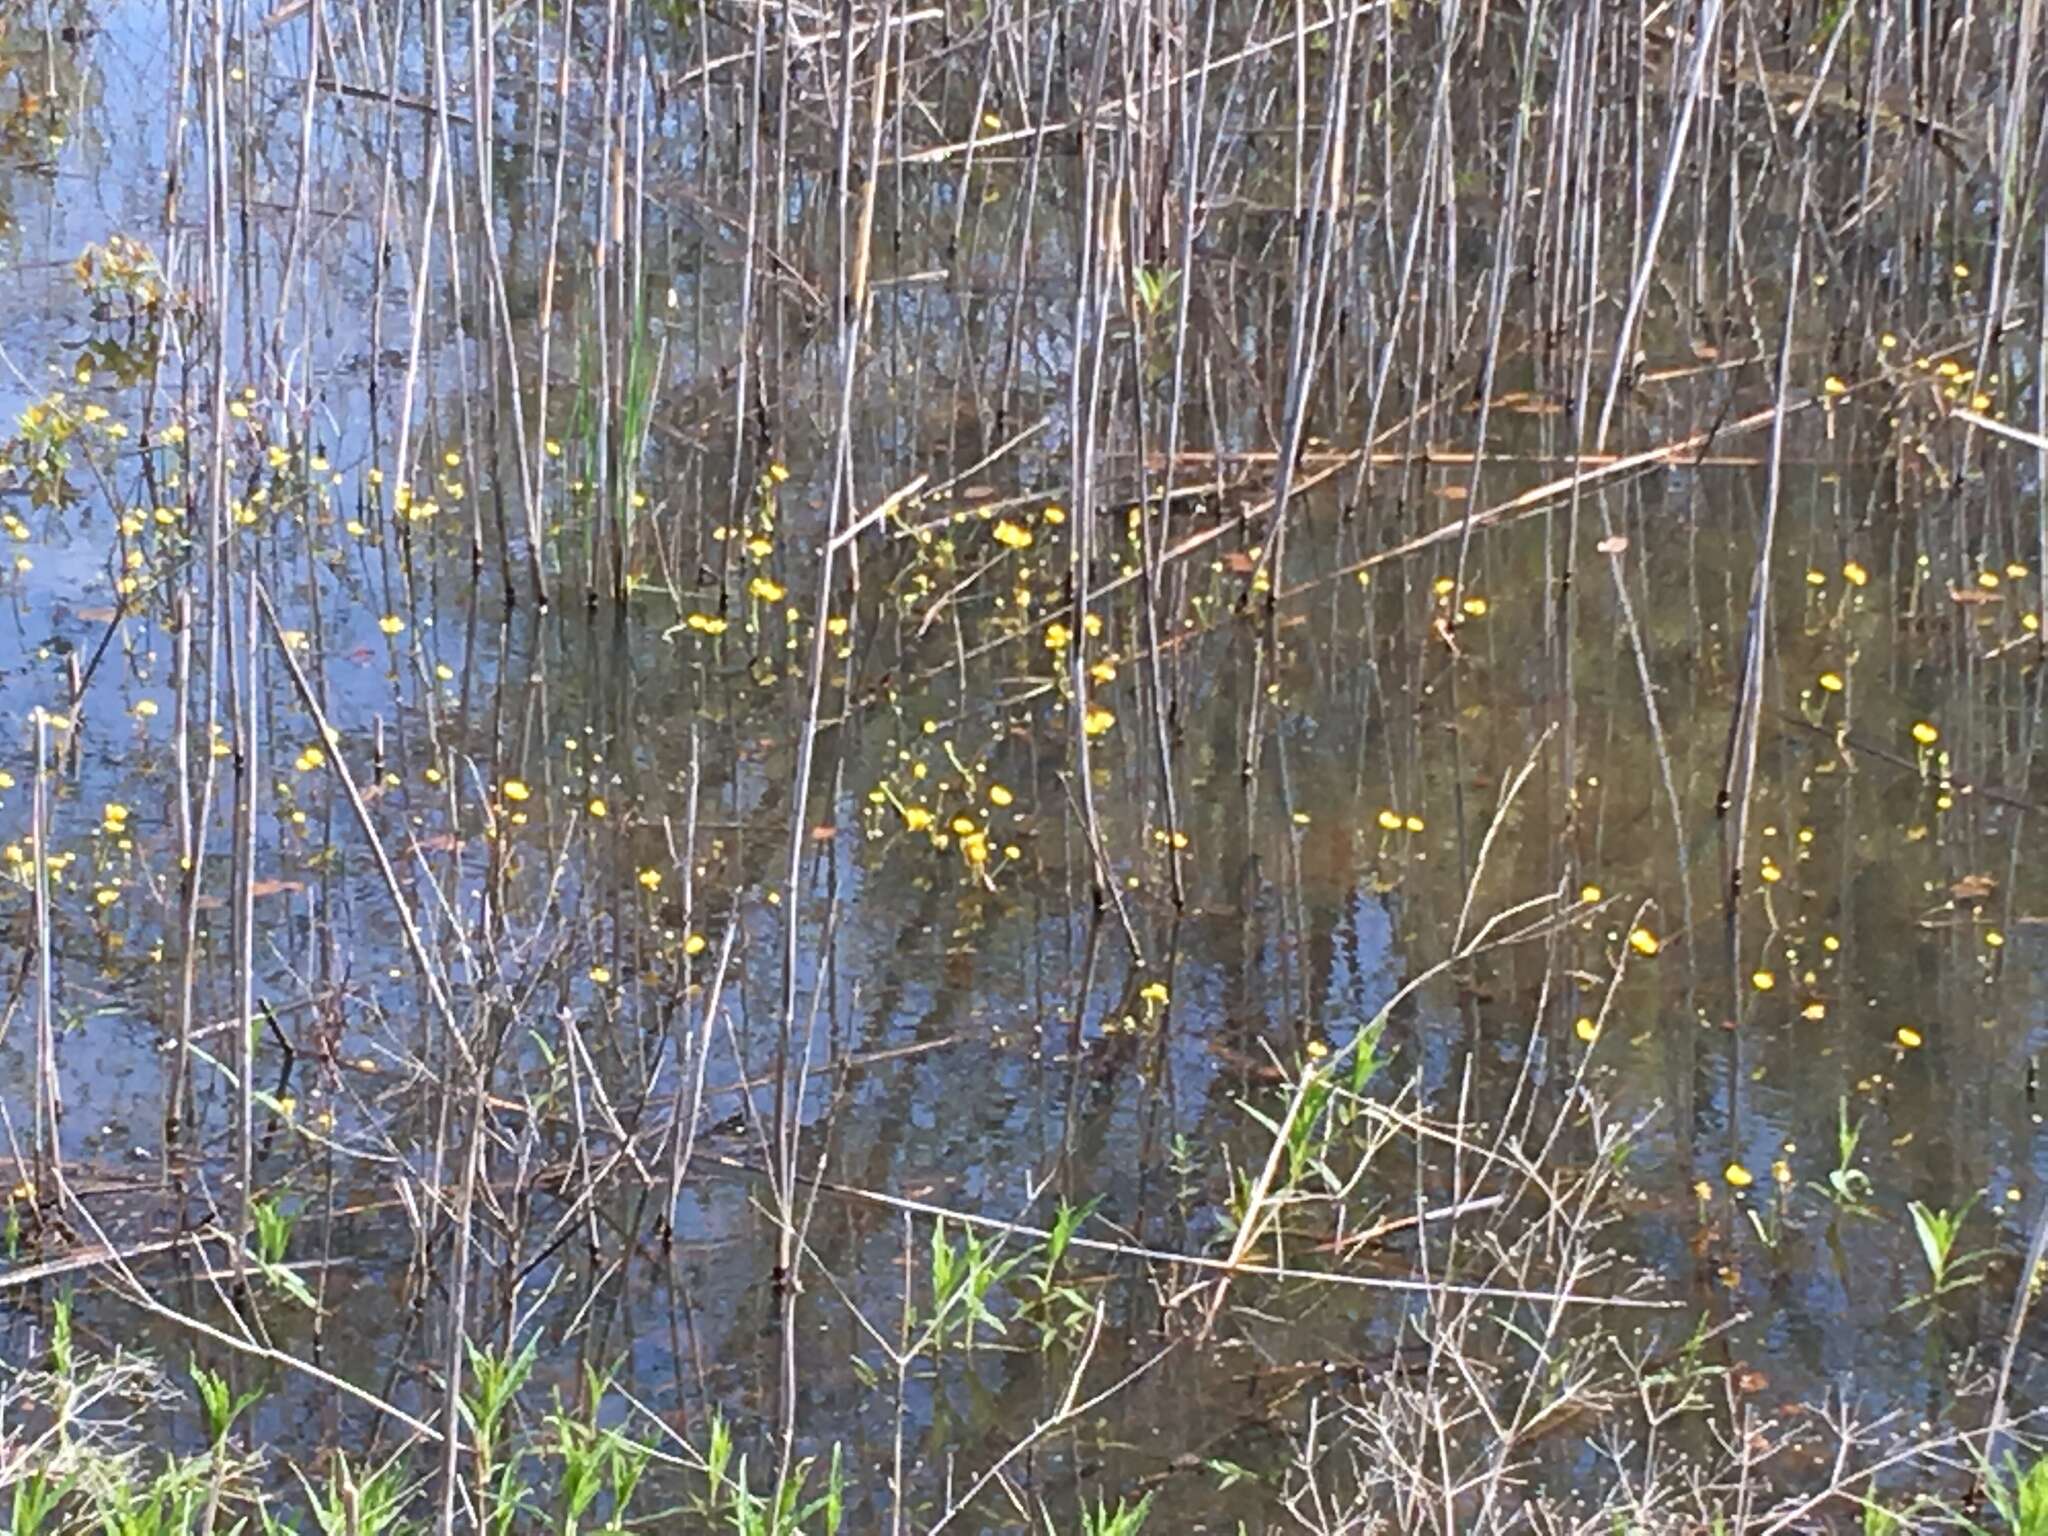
(916, 817)
(1013, 535)
(1589, 893)
(515, 790)
(1831, 682)
(765, 590)
(1475, 606)
(1412, 823)
(1855, 574)
(1057, 637)
(1391, 820)
(1763, 981)
(1153, 992)
(1097, 720)
(1925, 734)
(391, 624)
(1833, 386)
(1587, 1029)
(600, 974)
(694, 944)
(997, 795)
(1644, 942)
(651, 879)
(598, 808)
(1908, 1037)
(1738, 1176)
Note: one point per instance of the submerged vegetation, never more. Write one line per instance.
(1084, 769)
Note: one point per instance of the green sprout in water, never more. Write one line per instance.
(1947, 1270)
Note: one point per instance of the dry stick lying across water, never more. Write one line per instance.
(1223, 1266)
(1537, 497)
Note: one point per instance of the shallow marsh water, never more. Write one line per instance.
(1021, 971)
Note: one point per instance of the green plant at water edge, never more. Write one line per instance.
(2020, 1496)
(1123, 1520)
(593, 1460)
(1156, 287)
(36, 1499)
(781, 1511)
(360, 1503)
(167, 1505)
(963, 1274)
(1848, 1186)
(495, 1380)
(219, 1404)
(1056, 1306)
(1947, 1270)
(272, 1227)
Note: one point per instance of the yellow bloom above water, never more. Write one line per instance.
(1831, 682)
(1908, 1037)
(1854, 574)
(391, 624)
(765, 590)
(1644, 942)
(598, 808)
(1763, 981)
(1738, 1176)
(516, 790)
(650, 879)
(1013, 535)
(1587, 1029)
(1097, 720)
(997, 795)
(1925, 734)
